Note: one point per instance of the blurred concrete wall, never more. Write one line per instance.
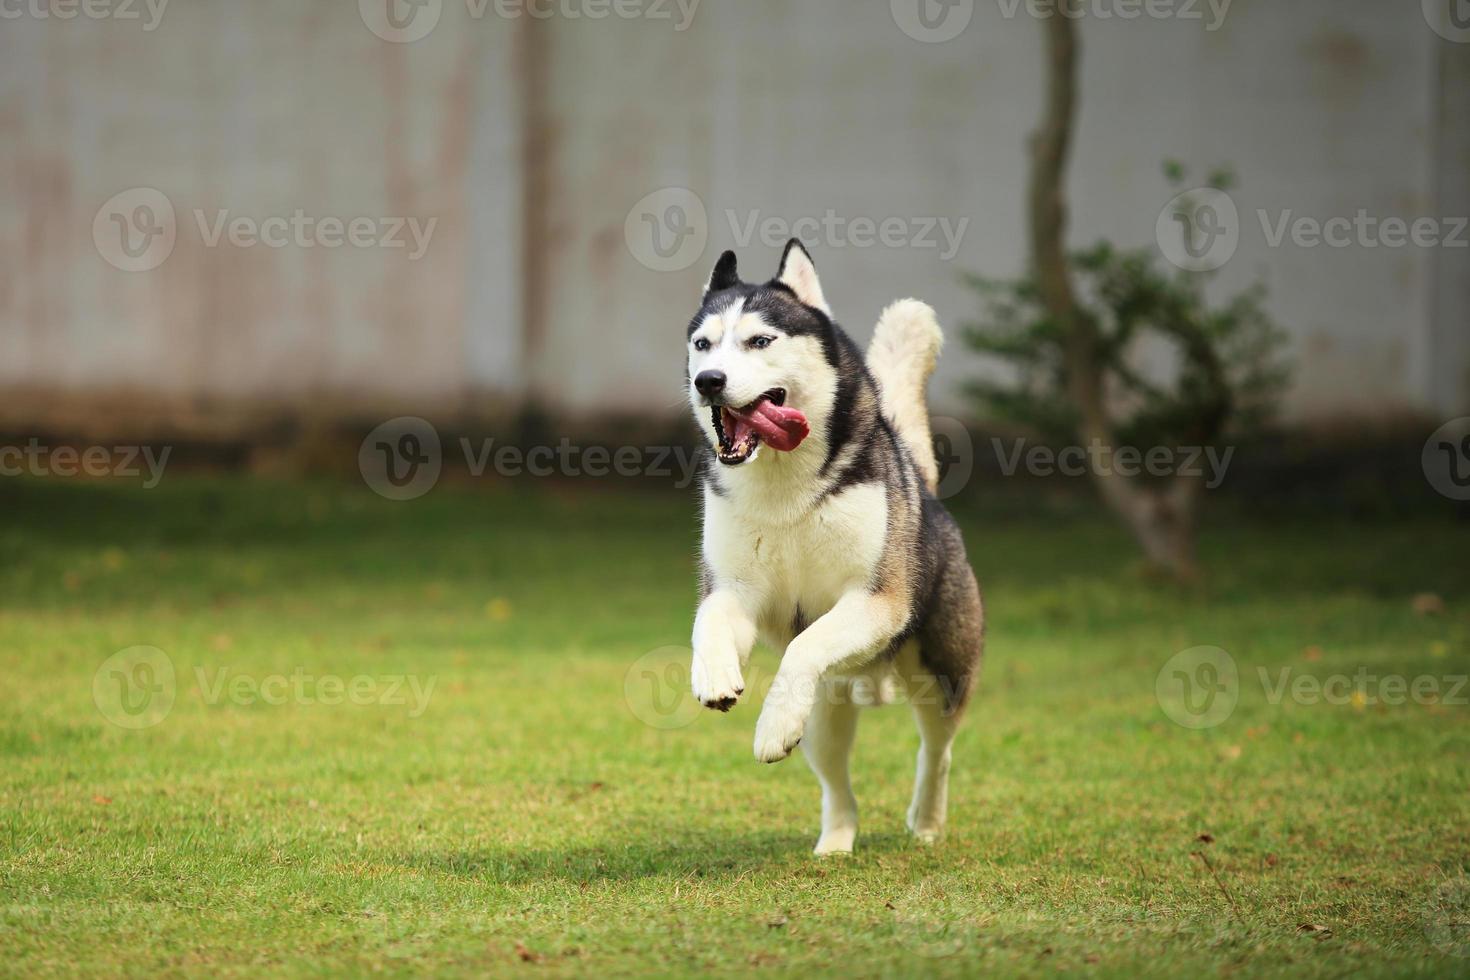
(549, 151)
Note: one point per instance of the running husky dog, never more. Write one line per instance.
(822, 535)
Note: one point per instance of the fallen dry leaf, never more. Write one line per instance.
(1314, 930)
(1206, 838)
(525, 954)
(1428, 604)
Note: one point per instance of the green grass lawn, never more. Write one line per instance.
(530, 818)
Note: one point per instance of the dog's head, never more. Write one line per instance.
(760, 371)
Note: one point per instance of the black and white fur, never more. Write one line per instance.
(836, 553)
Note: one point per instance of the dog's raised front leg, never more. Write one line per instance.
(856, 628)
(723, 635)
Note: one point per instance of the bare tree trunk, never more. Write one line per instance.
(1162, 520)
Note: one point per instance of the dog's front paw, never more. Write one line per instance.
(779, 730)
(716, 681)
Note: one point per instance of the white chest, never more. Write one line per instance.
(805, 565)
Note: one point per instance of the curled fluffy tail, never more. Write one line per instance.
(902, 357)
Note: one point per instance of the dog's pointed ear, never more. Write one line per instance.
(725, 275)
(799, 273)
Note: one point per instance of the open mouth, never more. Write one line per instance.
(742, 430)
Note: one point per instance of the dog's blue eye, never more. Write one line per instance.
(761, 343)
(701, 344)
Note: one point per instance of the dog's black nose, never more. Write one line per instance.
(710, 383)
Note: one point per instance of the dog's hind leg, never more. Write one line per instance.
(940, 671)
(937, 729)
(827, 744)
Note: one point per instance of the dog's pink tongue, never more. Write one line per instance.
(781, 428)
